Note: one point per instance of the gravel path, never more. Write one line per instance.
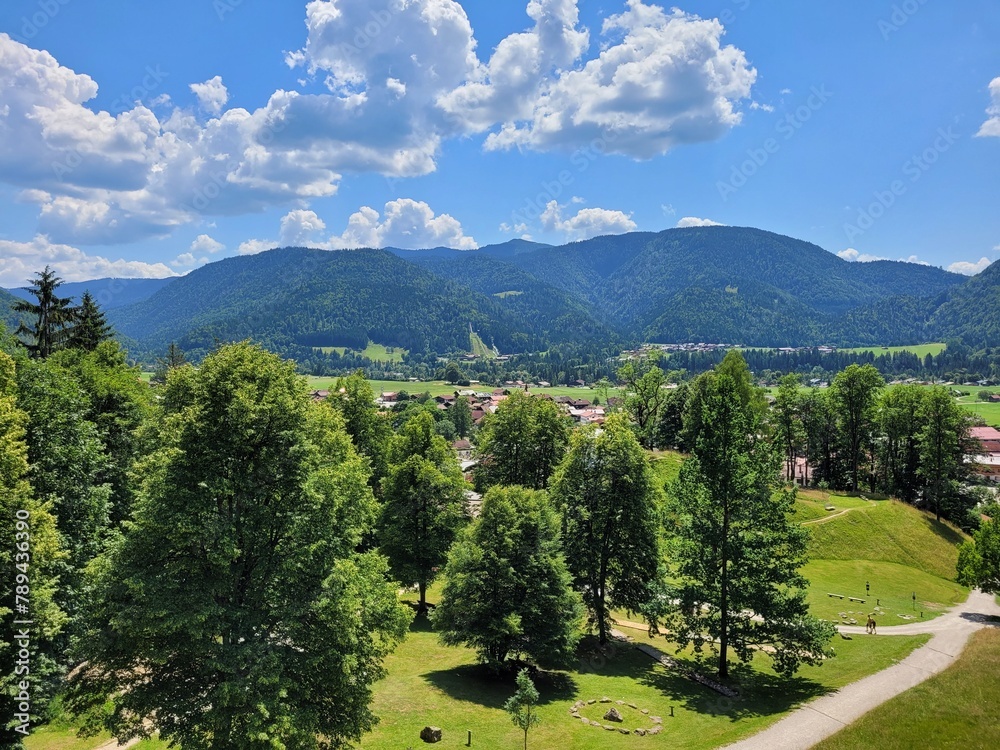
(824, 716)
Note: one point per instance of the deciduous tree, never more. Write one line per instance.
(941, 443)
(787, 421)
(644, 394)
(735, 552)
(610, 507)
(423, 504)
(522, 442)
(354, 398)
(507, 589)
(234, 612)
(855, 393)
(29, 553)
(521, 705)
(979, 559)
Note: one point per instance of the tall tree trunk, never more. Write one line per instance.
(724, 603)
(601, 617)
(422, 606)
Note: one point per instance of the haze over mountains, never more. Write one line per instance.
(714, 284)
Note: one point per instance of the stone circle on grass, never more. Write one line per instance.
(617, 713)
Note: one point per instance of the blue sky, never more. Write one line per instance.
(145, 139)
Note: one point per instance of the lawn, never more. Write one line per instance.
(889, 531)
(811, 505)
(956, 708)
(374, 352)
(921, 350)
(892, 588)
(985, 409)
(429, 684)
(60, 735)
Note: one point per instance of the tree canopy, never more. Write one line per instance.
(735, 553)
(610, 507)
(507, 589)
(522, 442)
(234, 611)
(423, 504)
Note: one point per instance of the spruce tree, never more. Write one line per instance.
(91, 326)
(53, 315)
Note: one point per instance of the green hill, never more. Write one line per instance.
(737, 285)
(892, 532)
(8, 317)
(718, 284)
(972, 311)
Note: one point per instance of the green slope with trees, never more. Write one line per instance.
(295, 299)
(972, 311)
(721, 284)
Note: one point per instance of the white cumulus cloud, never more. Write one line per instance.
(967, 268)
(301, 228)
(212, 95)
(205, 244)
(661, 80)
(853, 256)
(694, 221)
(401, 77)
(585, 223)
(403, 223)
(992, 126)
(20, 260)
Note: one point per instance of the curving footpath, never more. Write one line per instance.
(818, 719)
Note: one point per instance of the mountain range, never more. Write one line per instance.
(713, 284)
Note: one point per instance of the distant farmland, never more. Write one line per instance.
(374, 352)
(921, 350)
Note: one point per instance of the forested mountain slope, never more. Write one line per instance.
(294, 299)
(972, 311)
(715, 284)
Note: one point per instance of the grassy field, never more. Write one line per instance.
(892, 532)
(921, 350)
(666, 465)
(374, 352)
(62, 736)
(988, 411)
(811, 505)
(432, 684)
(956, 708)
(892, 588)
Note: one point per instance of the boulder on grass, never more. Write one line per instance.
(614, 714)
(430, 734)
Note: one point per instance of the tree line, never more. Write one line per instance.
(907, 441)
